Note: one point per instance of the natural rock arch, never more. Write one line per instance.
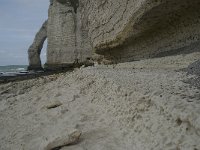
(118, 30)
(34, 50)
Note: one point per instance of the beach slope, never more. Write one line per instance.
(140, 105)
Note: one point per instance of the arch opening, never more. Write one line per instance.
(34, 51)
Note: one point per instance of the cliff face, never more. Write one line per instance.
(120, 30)
(35, 49)
(66, 41)
(134, 29)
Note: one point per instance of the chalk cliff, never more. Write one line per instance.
(119, 30)
(35, 49)
(67, 41)
(134, 29)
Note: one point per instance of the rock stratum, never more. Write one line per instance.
(118, 30)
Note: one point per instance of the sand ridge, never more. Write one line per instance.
(122, 107)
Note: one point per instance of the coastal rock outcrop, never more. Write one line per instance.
(119, 30)
(67, 41)
(35, 49)
(135, 29)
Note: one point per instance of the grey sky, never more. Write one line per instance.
(19, 22)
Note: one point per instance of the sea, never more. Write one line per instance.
(13, 69)
(17, 72)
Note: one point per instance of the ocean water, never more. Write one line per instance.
(13, 68)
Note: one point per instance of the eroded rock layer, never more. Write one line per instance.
(119, 30)
(67, 42)
(134, 29)
(35, 49)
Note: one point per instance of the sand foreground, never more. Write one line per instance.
(140, 105)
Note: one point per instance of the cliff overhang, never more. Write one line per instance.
(121, 31)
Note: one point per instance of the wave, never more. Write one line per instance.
(13, 68)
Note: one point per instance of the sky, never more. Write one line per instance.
(20, 20)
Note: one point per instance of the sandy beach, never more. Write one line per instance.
(143, 105)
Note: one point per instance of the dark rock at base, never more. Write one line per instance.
(194, 82)
(58, 67)
(67, 66)
(194, 68)
(35, 68)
